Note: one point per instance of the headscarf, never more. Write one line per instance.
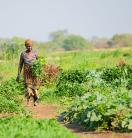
(28, 42)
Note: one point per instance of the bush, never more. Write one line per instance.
(70, 83)
(96, 110)
(10, 100)
(72, 76)
(129, 84)
(69, 89)
(51, 73)
(117, 75)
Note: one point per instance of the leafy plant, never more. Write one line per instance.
(69, 89)
(117, 75)
(18, 127)
(10, 100)
(70, 83)
(37, 67)
(96, 110)
(74, 75)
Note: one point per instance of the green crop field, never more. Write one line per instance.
(93, 89)
(65, 69)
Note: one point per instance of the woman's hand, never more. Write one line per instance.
(18, 78)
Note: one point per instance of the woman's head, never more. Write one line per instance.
(28, 44)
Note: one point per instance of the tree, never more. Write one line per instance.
(58, 35)
(73, 42)
(122, 40)
(56, 39)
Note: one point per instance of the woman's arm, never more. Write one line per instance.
(36, 55)
(21, 61)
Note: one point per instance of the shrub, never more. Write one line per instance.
(96, 110)
(51, 73)
(70, 83)
(69, 89)
(72, 76)
(117, 75)
(10, 100)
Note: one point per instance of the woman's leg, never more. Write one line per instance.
(28, 94)
(35, 97)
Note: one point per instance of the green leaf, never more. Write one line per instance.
(130, 125)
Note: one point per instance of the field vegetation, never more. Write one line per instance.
(91, 84)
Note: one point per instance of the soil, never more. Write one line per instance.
(43, 111)
(5, 115)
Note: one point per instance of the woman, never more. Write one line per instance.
(26, 60)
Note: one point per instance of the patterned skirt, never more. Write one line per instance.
(29, 80)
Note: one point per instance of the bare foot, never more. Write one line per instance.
(35, 104)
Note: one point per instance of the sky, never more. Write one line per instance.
(36, 19)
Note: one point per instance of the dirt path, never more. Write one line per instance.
(51, 111)
(43, 111)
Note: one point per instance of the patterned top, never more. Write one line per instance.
(29, 80)
(24, 59)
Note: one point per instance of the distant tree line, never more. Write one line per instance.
(11, 48)
(118, 40)
(63, 41)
